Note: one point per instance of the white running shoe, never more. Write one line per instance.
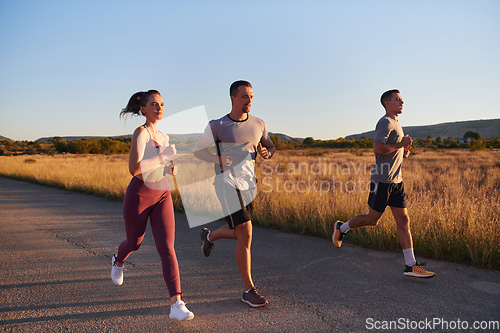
(116, 272)
(179, 311)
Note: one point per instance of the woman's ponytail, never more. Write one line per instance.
(136, 101)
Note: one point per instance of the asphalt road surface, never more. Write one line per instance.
(55, 254)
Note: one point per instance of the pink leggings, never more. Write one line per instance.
(140, 203)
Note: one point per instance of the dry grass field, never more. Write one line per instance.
(453, 195)
(105, 175)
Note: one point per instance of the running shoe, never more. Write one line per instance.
(179, 311)
(253, 298)
(337, 235)
(116, 272)
(206, 245)
(417, 271)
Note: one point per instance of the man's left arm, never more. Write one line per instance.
(266, 148)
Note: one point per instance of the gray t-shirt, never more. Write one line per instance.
(241, 138)
(388, 167)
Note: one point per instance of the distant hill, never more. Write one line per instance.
(4, 138)
(487, 128)
(283, 137)
(69, 138)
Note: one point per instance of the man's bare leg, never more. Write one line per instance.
(370, 219)
(403, 227)
(243, 235)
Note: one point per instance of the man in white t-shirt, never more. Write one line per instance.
(239, 137)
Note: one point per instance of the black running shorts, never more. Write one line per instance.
(230, 200)
(386, 194)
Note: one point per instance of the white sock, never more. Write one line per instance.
(409, 257)
(246, 292)
(208, 237)
(345, 227)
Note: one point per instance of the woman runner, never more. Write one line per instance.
(148, 195)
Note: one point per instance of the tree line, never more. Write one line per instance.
(59, 145)
(471, 140)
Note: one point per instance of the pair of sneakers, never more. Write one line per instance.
(250, 297)
(178, 310)
(412, 271)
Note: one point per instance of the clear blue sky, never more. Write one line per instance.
(318, 68)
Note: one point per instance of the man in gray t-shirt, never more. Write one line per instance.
(390, 146)
(239, 138)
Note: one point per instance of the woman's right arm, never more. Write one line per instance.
(133, 157)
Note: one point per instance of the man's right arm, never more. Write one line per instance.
(201, 152)
(380, 148)
(205, 155)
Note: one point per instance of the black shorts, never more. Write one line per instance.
(236, 201)
(386, 194)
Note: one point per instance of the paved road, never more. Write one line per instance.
(55, 255)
